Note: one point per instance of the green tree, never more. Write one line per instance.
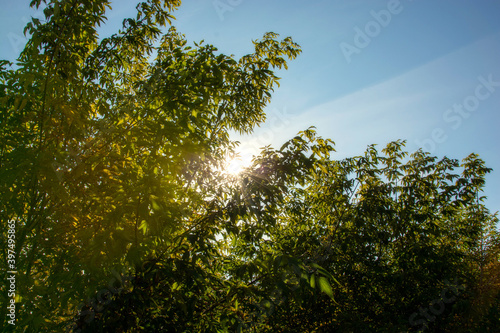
(108, 158)
(407, 238)
(112, 165)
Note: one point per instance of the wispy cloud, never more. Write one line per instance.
(400, 107)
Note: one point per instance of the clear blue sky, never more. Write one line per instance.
(371, 71)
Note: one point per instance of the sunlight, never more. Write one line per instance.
(236, 163)
(234, 166)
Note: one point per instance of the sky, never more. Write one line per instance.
(371, 71)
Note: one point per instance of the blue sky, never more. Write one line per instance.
(370, 72)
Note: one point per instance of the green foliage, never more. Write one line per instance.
(398, 232)
(111, 160)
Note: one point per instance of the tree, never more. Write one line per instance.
(112, 169)
(405, 237)
(107, 158)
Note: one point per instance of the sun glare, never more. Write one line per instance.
(237, 163)
(235, 166)
(240, 159)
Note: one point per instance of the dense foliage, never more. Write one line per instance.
(112, 155)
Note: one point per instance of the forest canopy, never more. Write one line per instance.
(112, 157)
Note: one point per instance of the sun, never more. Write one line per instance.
(234, 166)
(238, 161)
